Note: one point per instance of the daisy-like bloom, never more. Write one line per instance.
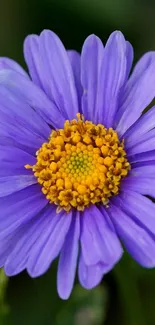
(77, 159)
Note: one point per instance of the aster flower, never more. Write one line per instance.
(77, 159)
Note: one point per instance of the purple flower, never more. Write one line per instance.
(116, 172)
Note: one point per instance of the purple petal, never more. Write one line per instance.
(10, 105)
(140, 184)
(49, 244)
(144, 124)
(141, 66)
(31, 95)
(5, 141)
(145, 143)
(33, 47)
(141, 94)
(75, 61)
(111, 245)
(11, 184)
(112, 77)
(91, 59)
(24, 122)
(143, 168)
(20, 207)
(6, 63)
(91, 242)
(15, 157)
(13, 160)
(32, 58)
(143, 156)
(58, 76)
(16, 131)
(129, 55)
(136, 239)
(68, 259)
(99, 242)
(14, 171)
(90, 276)
(140, 208)
(22, 241)
(5, 249)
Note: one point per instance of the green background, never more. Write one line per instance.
(127, 294)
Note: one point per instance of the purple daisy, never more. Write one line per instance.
(77, 159)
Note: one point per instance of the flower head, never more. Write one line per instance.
(77, 159)
(82, 164)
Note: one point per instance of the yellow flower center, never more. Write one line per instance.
(81, 164)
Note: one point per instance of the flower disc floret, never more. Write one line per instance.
(81, 164)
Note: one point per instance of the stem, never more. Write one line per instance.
(128, 293)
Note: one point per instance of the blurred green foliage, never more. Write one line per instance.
(36, 302)
(127, 294)
(4, 308)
